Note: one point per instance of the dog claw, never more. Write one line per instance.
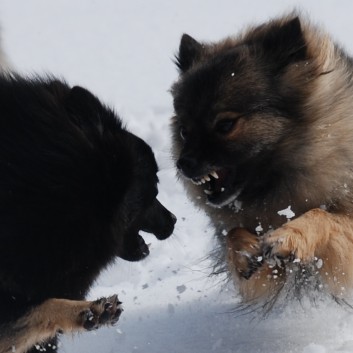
(104, 311)
(244, 252)
(107, 306)
(253, 265)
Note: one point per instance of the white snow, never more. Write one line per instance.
(123, 50)
(287, 212)
(259, 228)
(319, 263)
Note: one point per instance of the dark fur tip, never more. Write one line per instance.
(253, 266)
(246, 274)
(189, 51)
(285, 43)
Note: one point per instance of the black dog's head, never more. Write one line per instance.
(76, 188)
(235, 102)
(131, 179)
(129, 172)
(142, 210)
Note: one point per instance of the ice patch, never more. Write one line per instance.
(259, 228)
(287, 212)
(181, 289)
(319, 263)
(236, 206)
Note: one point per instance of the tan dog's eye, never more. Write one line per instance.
(183, 132)
(225, 126)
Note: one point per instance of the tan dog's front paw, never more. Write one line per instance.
(244, 252)
(290, 242)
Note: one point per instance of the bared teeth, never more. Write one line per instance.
(214, 174)
(195, 182)
(205, 178)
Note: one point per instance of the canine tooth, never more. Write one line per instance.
(214, 174)
(207, 178)
(203, 181)
(222, 189)
(208, 192)
(196, 182)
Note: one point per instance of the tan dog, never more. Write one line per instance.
(263, 126)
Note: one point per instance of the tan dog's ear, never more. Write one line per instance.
(189, 52)
(284, 43)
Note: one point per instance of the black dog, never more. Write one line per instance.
(75, 190)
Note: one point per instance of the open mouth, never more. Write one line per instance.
(143, 248)
(135, 248)
(156, 220)
(218, 185)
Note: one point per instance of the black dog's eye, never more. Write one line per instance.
(225, 126)
(183, 132)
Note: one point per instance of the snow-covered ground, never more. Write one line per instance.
(122, 50)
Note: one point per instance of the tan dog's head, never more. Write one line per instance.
(235, 103)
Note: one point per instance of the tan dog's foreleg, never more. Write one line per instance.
(319, 236)
(58, 315)
(254, 279)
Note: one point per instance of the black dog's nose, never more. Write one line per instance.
(167, 223)
(158, 221)
(187, 164)
(174, 218)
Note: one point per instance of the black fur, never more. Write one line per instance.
(75, 189)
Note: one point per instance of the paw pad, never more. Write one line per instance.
(104, 311)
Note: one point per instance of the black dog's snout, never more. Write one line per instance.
(187, 164)
(159, 221)
(173, 216)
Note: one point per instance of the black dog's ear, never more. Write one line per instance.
(189, 52)
(83, 103)
(83, 100)
(285, 43)
(84, 108)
